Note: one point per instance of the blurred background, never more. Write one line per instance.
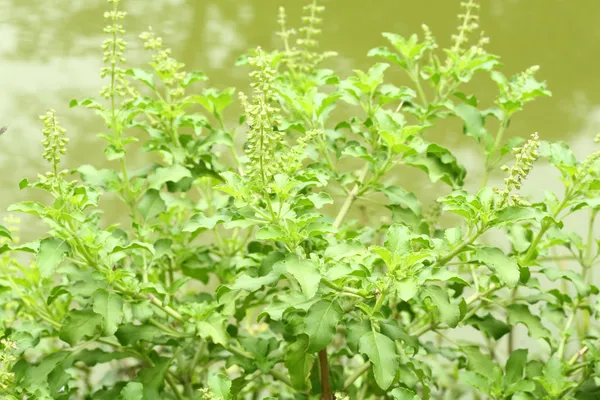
(50, 52)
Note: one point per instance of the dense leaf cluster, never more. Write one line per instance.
(242, 271)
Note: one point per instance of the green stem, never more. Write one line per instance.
(171, 382)
(565, 335)
(345, 289)
(357, 374)
(352, 196)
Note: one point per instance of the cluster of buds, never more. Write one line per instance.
(207, 394)
(7, 360)
(285, 33)
(303, 58)
(167, 67)
(54, 142)
(340, 396)
(429, 38)
(12, 223)
(262, 118)
(293, 160)
(469, 22)
(114, 48)
(525, 157)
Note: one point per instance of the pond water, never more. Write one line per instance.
(50, 52)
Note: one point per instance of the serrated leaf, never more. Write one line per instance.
(399, 196)
(220, 385)
(474, 122)
(110, 306)
(482, 363)
(133, 245)
(299, 362)
(79, 325)
(404, 394)
(50, 254)
(381, 352)
(270, 233)
(448, 312)
(506, 267)
(304, 271)
(132, 391)
(129, 334)
(200, 221)
(173, 173)
(214, 329)
(142, 75)
(489, 325)
(151, 204)
(520, 313)
(320, 199)
(321, 322)
(515, 367)
(439, 164)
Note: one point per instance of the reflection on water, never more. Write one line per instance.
(50, 52)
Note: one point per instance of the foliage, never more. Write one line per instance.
(240, 274)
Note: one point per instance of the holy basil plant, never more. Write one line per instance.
(244, 268)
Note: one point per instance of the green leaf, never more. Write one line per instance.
(191, 77)
(214, 328)
(392, 329)
(142, 75)
(304, 271)
(482, 363)
(153, 377)
(200, 221)
(474, 122)
(132, 246)
(270, 233)
(520, 313)
(489, 325)
(407, 288)
(151, 204)
(79, 325)
(397, 246)
(399, 196)
(174, 173)
(506, 267)
(355, 329)
(251, 284)
(321, 322)
(439, 164)
(4, 232)
(299, 362)
(515, 366)
(110, 306)
(129, 334)
(50, 254)
(404, 394)
(320, 199)
(132, 391)
(448, 312)
(381, 351)
(583, 289)
(220, 385)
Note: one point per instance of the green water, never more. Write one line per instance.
(50, 52)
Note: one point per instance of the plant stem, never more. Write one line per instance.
(350, 290)
(171, 382)
(326, 393)
(350, 199)
(357, 374)
(563, 341)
